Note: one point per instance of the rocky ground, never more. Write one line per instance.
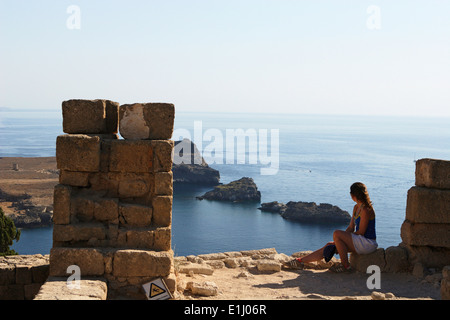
(258, 275)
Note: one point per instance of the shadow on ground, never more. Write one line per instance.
(326, 283)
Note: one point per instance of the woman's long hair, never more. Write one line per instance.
(359, 190)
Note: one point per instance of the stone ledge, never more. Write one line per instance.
(393, 259)
(22, 275)
(433, 173)
(57, 289)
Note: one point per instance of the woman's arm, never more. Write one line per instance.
(351, 226)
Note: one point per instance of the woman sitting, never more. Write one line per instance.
(359, 237)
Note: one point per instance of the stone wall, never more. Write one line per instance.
(21, 276)
(426, 230)
(113, 207)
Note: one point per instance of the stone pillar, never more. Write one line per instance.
(113, 207)
(426, 229)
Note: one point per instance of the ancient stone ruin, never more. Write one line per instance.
(426, 229)
(113, 207)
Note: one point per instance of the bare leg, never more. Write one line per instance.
(344, 244)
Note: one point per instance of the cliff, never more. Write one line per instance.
(190, 167)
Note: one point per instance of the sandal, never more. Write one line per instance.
(293, 264)
(339, 268)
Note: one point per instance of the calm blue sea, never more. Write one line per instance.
(320, 156)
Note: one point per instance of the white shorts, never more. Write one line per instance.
(363, 245)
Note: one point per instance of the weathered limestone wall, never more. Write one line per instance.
(22, 276)
(426, 229)
(113, 207)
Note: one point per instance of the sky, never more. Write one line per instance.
(262, 56)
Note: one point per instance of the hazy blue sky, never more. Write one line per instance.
(345, 57)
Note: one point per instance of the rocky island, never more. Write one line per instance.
(307, 211)
(190, 167)
(242, 190)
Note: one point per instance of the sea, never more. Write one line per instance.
(291, 157)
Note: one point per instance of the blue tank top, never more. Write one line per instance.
(370, 231)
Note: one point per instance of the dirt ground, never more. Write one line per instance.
(251, 284)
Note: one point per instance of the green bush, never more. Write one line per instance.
(8, 233)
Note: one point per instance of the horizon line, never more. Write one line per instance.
(394, 115)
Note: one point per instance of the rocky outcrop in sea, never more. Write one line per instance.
(308, 211)
(242, 190)
(190, 167)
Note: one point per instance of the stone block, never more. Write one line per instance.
(131, 156)
(12, 292)
(106, 183)
(7, 274)
(162, 155)
(139, 239)
(205, 288)
(162, 211)
(164, 183)
(196, 268)
(260, 252)
(431, 257)
(432, 173)
(445, 283)
(90, 116)
(142, 121)
(268, 265)
(445, 289)
(134, 215)
(74, 179)
(57, 289)
(158, 239)
(105, 153)
(24, 274)
(213, 256)
(134, 185)
(422, 234)
(79, 232)
(142, 263)
(61, 204)
(77, 152)
(360, 262)
(30, 290)
(446, 272)
(425, 205)
(90, 261)
(162, 240)
(106, 209)
(82, 208)
(396, 259)
(40, 273)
